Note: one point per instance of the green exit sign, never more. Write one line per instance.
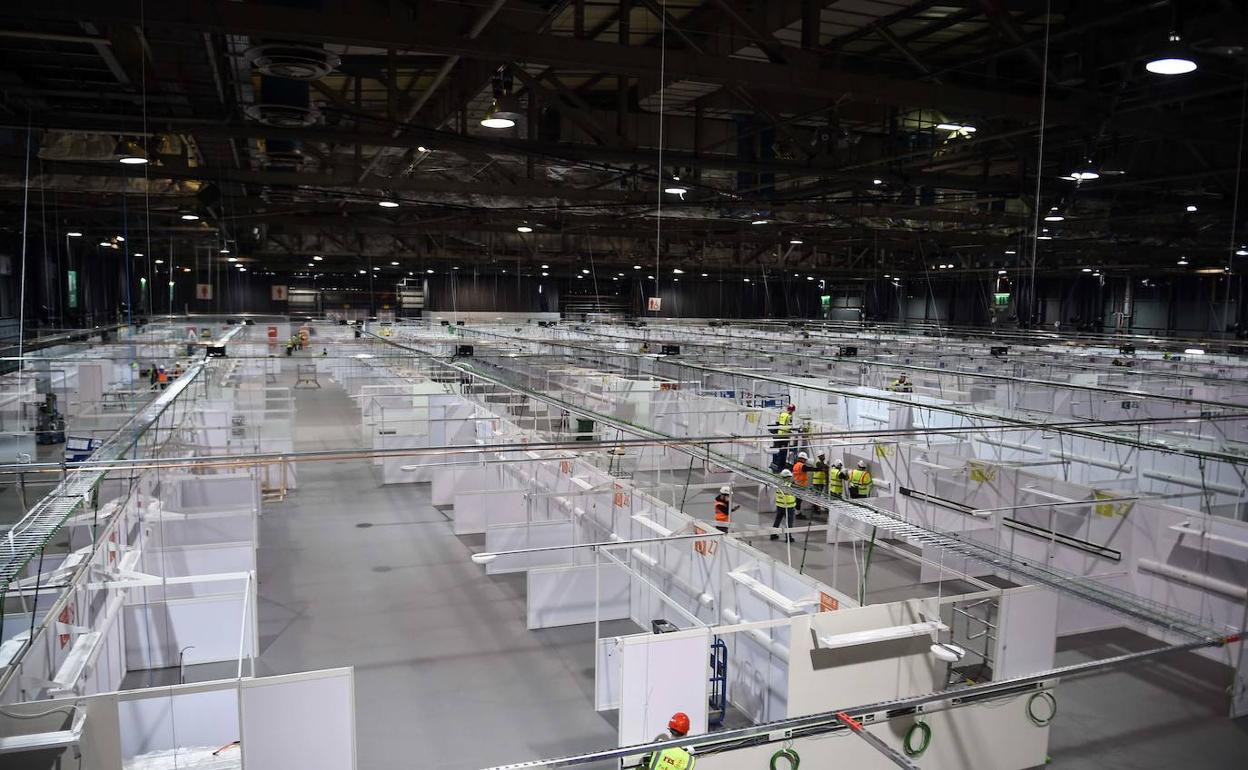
(1001, 298)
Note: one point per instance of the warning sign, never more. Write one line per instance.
(66, 617)
(828, 603)
(203, 291)
(1108, 509)
(982, 472)
(654, 303)
(622, 498)
(565, 467)
(279, 293)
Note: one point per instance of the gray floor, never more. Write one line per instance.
(447, 676)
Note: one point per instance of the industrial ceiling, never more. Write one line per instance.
(859, 136)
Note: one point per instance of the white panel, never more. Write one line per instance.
(155, 633)
(661, 674)
(181, 719)
(607, 674)
(564, 596)
(510, 537)
(1026, 632)
(304, 721)
(476, 511)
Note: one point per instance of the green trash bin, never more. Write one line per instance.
(584, 429)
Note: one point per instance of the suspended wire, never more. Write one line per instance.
(1239, 172)
(1033, 310)
(21, 303)
(658, 211)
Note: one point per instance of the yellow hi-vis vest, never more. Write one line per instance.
(671, 759)
(819, 477)
(785, 498)
(861, 479)
(785, 421)
(837, 485)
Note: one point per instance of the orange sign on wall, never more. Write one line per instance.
(66, 617)
(703, 547)
(828, 603)
(622, 498)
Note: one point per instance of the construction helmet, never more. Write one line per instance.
(725, 490)
(792, 407)
(840, 464)
(679, 723)
(786, 473)
(862, 464)
(803, 456)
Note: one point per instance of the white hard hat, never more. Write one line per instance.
(861, 464)
(803, 456)
(839, 464)
(725, 490)
(786, 473)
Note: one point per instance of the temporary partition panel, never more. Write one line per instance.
(510, 537)
(661, 674)
(304, 720)
(564, 596)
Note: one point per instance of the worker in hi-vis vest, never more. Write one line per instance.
(819, 476)
(860, 481)
(675, 757)
(724, 508)
(785, 420)
(801, 478)
(836, 482)
(786, 501)
(901, 385)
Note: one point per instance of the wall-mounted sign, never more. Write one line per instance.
(654, 303)
(279, 293)
(203, 291)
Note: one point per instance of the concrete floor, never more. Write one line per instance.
(447, 675)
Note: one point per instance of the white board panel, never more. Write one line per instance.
(1027, 632)
(304, 721)
(181, 719)
(564, 596)
(661, 674)
(477, 511)
(510, 537)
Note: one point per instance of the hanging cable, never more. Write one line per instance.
(1033, 310)
(658, 211)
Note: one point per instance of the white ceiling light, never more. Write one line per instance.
(524, 229)
(131, 153)
(886, 275)
(159, 261)
(677, 271)
(429, 271)
(119, 238)
(1087, 270)
(676, 189)
(1010, 251)
(545, 267)
(957, 127)
(795, 241)
(810, 278)
(232, 259)
(651, 277)
(747, 280)
(1192, 208)
(106, 244)
(636, 267)
(73, 234)
(544, 274)
(704, 275)
(422, 148)
(1173, 59)
(362, 272)
(585, 270)
(1182, 260)
(1044, 235)
(1085, 172)
(1194, 351)
(759, 222)
(503, 113)
(1001, 271)
(1054, 215)
(877, 181)
(1242, 251)
(317, 258)
(224, 250)
(242, 269)
(388, 203)
(190, 217)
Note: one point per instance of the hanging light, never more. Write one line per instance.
(877, 181)
(957, 128)
(137, 254)
(189, 216)
(1044, 235)
(130, 153)
(388, 202)
(1172, 59)
(1242, 251)
(224, 250)
(1054, 215)
(1001, 271)
(636, 267)
(1182, 261)
(585, 270)
(1192, 208)
(1085, 172)
(1010, 251)
(677, 271)
(317, 258)
(544, 274)
(675, 188)
(394, 264)
(422, 148)
(429, 271)
(106, 244)
(159, 261)
(73, 234)
(759, 222)
(120, 238)
(1087, 269)
(524, 229)
(795, 241)
(504, 111)
(704, 275)
(232, 259)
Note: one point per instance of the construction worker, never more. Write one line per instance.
(162, 378)
(860, 481)
(837, 479)
(786, 501)
(819, 476)
(782, 429)
(801, 478)
(901, 385)
(785, 420)
(724, 508)
(674, 758)
(290, 346)
(324, 352)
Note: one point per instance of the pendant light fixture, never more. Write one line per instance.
(1173, 59)
(504, 111)
(130, 153)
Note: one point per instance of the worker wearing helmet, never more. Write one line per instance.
(801, 478)
(786, 501)
(860, 481)
(837, 479)
(901, 385)
(724, 508)
(674, 757)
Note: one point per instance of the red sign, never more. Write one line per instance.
(704, 547)
(565, 467)
(828, 603)
(622, 498)
(66, 617)
(272, 333)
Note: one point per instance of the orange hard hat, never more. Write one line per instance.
(679, 723)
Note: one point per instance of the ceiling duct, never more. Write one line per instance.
(283, 104)
(292, 61)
